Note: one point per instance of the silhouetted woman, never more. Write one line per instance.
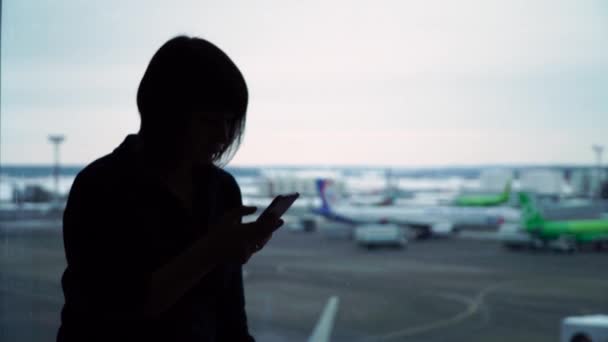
(152, 231)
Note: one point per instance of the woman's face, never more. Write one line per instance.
(207, 134)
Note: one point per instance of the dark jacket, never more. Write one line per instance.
(118, 227)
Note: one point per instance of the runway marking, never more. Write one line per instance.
(471, 310)
(322, 331)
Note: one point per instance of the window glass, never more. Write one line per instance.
(448, 157)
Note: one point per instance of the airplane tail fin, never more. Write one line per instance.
(531, 216)
(327, 194)
(507, 191)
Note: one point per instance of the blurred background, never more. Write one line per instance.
(449, 156)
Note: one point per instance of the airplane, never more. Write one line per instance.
(375, 198)
(484, 200)
(424, 220)
(569, 232)
(380, 197)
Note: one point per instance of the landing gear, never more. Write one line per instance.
(538, 244)
(601, 246)
(566, 244)
(422, 233)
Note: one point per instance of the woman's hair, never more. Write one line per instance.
(190, 75)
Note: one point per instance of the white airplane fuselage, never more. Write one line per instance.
(426, 215)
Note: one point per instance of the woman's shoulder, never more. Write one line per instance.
(118, 165)
(102, 174)
(227, 186)
(223, 177)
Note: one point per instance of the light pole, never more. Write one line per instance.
(599, 150)
(56, 140)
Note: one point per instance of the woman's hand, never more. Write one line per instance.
(234, 240)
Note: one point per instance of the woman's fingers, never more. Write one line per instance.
(260, 229)
(248, 238)
(244, 210)
(262, 240)
(261, 243)
(269, 224)
(235, 215)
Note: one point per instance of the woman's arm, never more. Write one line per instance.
(233, 318)
(233, 322)
(111, 273)
(170, 282)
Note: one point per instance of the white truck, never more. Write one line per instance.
(589, 328)
(373, 235)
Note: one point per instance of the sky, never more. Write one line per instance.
(346, 82)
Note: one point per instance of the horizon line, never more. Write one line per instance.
(354, 166)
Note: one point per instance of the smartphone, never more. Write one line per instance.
(280, 204)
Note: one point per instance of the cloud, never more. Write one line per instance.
(342, 81)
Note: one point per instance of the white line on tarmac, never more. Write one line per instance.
(471, 310)
(322, 331)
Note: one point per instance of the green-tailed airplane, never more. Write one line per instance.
(576, 231)
(484, 200)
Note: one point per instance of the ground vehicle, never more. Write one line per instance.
(591, 328)
(373, 235)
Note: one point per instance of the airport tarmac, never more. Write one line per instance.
(435, 290)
